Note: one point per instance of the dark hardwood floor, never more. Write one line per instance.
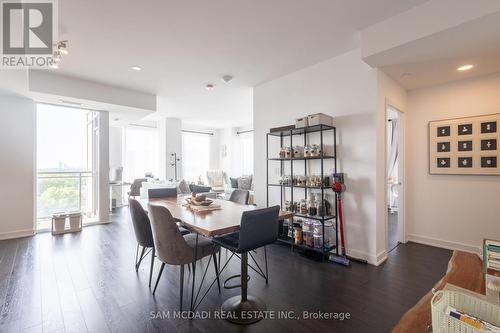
(87, 282)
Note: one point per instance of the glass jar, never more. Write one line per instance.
(312, 209)
(318, 228)
(297, 233)
(298, 151)
(303, 207)
(282, 152)
(301, 181)
(329, 234)
(315, 151)
(288, 206)
(307, 151)
(288, 152)
(318, 241)
(307, 226)
(308, 238)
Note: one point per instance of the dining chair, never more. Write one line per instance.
(240, 196)
(257, 228)
(135, 187)
(174, 249)
(143, 234)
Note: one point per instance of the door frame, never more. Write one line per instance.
(402, 235)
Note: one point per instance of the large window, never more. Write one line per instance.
(195, 155)
(140, 152)
(66, 147)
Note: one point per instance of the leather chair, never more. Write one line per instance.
(174, 249)
(240, 196)
(258, 228)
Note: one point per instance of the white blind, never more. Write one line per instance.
(140, 152)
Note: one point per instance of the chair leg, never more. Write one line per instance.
(216, 269)
(182, 287)
(136, 255)
(140, 259)
(265, 259)
(152, 265)
(159, 275)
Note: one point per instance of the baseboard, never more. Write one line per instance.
(17, 234)
(444, 244)
(371, 259)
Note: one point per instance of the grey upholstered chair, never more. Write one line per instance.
(135, 187)
(258, 228)
(154, 193)
(143, 234)
(240, 196)
(174, 249)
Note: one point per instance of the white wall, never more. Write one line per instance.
(389, 93)
(17, 166)
(345, 88)
(442, 210)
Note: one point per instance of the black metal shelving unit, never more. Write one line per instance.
(304, 132)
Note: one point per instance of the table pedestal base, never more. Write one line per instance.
(243, 312)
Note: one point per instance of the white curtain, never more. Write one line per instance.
(392, 163)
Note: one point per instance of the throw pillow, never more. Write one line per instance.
(183, 187)
(234, 182)
(245, 182)
(200, 189)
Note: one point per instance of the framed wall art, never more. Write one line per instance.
(465, 146)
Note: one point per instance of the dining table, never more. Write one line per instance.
(223, 220)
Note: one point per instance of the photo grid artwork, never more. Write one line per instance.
(465, 146)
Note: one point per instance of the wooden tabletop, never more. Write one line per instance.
(212, 223)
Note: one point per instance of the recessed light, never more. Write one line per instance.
(227, 78)
(116, 119)
(136, 68)
(465, 68)
(210, 86)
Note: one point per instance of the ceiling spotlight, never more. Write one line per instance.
(62, 47)
(136, 68)
(210, 86)
(465, 68)
(56, 57)
(227, 78)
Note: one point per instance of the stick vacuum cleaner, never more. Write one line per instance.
(338, 187)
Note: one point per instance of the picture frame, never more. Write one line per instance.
(465, 146)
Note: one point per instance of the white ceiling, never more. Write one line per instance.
(183, 45)
(434, 59)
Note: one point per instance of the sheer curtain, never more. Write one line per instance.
(195, 156)
(140, 152)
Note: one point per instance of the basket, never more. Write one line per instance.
(443, 323)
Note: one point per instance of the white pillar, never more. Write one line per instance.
(103, 168)
(170, 142)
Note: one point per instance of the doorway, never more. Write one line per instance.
(395, 177)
